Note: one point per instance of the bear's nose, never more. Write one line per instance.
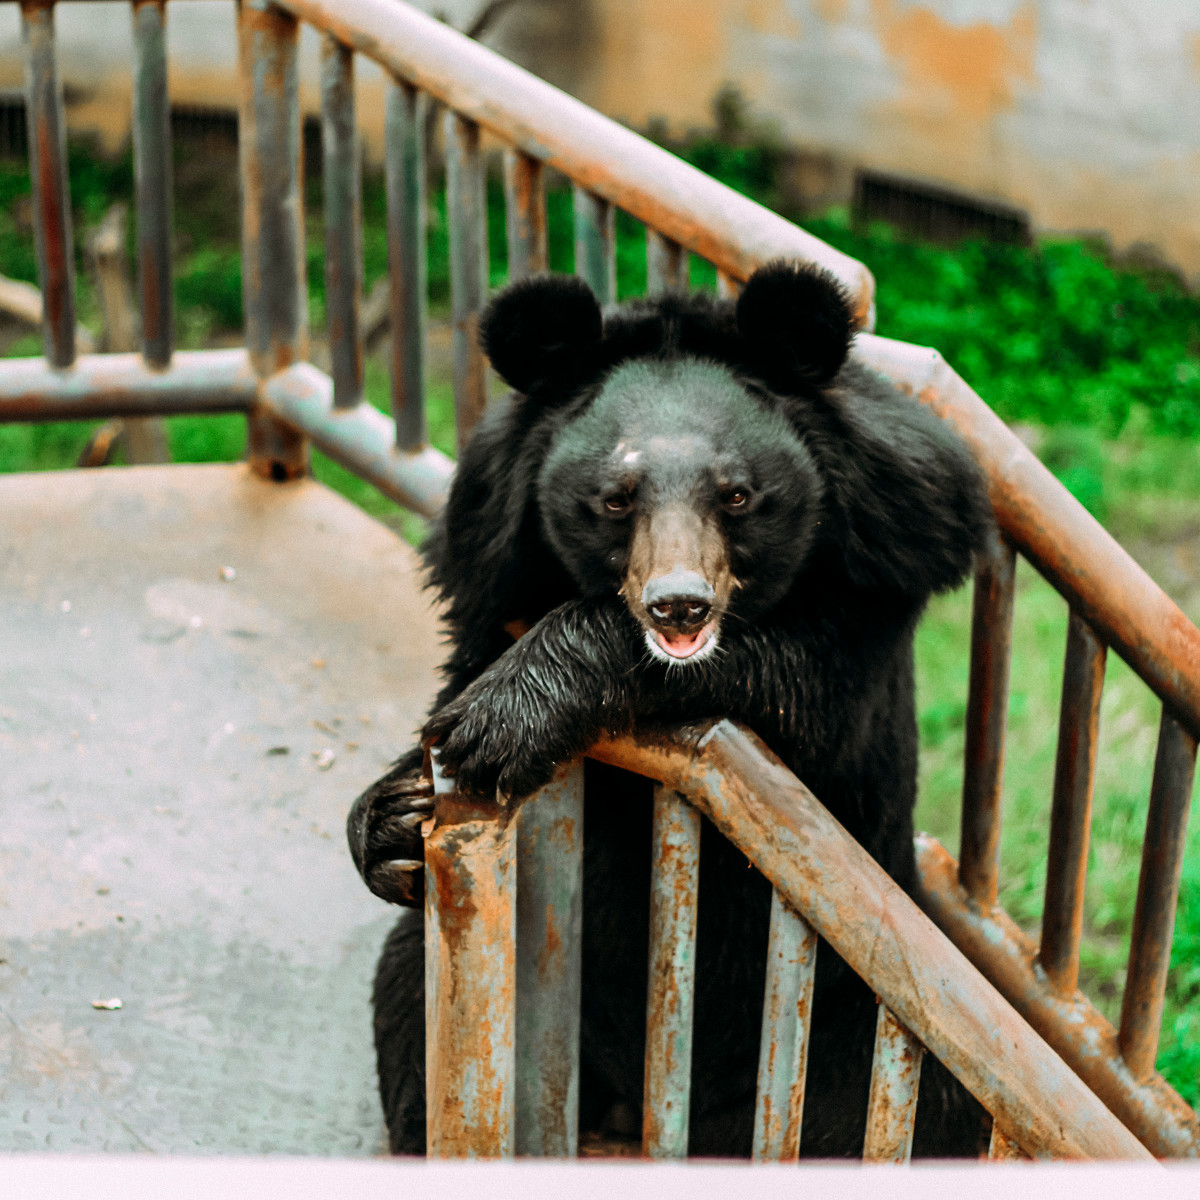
(679, 600)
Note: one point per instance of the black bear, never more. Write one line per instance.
(696, 508)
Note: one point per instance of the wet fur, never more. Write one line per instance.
(815, 657)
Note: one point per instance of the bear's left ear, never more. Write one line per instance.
(796, 321)
(541, 329)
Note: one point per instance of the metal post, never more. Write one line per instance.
(549, 940)
(404, 168)
(674, 889)
(1071, 812)
(525, 211)
(987, 711)
(470, 980)
(892, 1106)
(48, 170)
(786, 1028)
(1158, 894)
(273, 272)
(596, 244)
(342, 175)
(466, 204)
(1002, 1148)
(152, 176)
(666, 264)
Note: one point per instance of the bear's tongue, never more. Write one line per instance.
(683, 645)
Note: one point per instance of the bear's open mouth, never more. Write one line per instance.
(678, 647)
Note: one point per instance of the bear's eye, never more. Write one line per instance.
(618, 504)
(735, 499)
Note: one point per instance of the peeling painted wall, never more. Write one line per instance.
(1084, 112)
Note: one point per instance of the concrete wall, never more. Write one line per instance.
(1084, 112)
(95, 54)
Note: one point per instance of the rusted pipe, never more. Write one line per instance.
(273, 270)
(674, 892)
(786, 1030)
(1001, 1148)
(549, 946)
(466, 214)
(525, 215)
(597, 153)
(596, 244)
(342, 174)
(152, 178)
(1156, 1114)
(1125, 607)
(51, 192)
(730, 776)
(362, 439)
(470, 980)
(666, 264)
(404, 168)
(1071, 810)
(895, 1080)
(122, 385)
(1158, 894)
(987, 718)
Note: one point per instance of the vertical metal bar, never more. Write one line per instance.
(525, 212)
(892, 1106)
(674, 887)
(787, 1022)
(470, 980)
(1002, 1148)
(549, 916)
(466, 202)
(404, 168)
(987, 705)
(273, 270)
(342, 175)
(728, 288)
(1158, 893)
(1071, 812)
(51, 193)
(152, 178)
(596, 244)
(666, 264)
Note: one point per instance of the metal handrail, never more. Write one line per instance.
(819, 872)
(596, 152)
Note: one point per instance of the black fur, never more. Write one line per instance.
(864, 503)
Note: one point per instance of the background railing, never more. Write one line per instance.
(290, 405)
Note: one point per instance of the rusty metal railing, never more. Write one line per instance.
(291, 405)
(484, 953)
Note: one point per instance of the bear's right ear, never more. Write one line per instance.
(541, 329)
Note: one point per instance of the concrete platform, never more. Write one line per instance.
(179, 745)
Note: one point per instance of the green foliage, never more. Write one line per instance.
(1076, 454)
(1053, 334)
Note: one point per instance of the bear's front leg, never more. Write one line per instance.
(567, 681)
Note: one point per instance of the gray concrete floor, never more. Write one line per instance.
(178, 749)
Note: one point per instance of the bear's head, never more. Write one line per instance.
(671, 472)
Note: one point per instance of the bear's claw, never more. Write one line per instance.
(384, 831)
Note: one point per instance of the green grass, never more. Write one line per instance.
(1104, 362)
